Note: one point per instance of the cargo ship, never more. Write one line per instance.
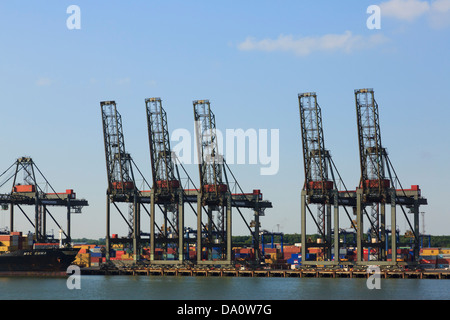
(19, 255)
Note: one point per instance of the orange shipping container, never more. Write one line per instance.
(24, 188)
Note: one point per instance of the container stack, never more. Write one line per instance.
(97, 255)
(435, 258)
(402, 255)
(15, 241)
(241, 254)
(288, 251)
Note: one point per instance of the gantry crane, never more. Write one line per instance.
(120, 177)
(167, 191)
(320, 186)
(29, 192)
(215, 198)
(376, 188)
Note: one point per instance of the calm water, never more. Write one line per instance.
(226, 288)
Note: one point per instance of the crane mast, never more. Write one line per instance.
(371, 152)
(210, 161)
(213, 195)
(315, 156)
(374, 185)
(118, 162)
(318, 188)
(121, 182)
(379, 186)
(163, 167)
(166, 190)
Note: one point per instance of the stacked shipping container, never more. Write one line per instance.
(91, 255)
(15, 241)
(435, 258)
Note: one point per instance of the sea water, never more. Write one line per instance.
(125, 287)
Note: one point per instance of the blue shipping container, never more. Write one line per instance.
(96, 254)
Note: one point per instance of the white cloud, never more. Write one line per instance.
(302, 46)
(441, 6)
(43, 82)
(404, 9)
(440, 14)
(437, 11)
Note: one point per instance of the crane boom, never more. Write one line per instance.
(118, 162)
(371, 152)
(315, 156)
(210, 161)
(163, 166)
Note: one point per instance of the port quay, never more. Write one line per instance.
(298, 273)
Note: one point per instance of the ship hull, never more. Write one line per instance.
(45, 262)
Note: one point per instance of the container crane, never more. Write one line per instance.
(377, 185)
(166, 191)
(214, 196)
(29, 192)
(120, 176)
(215, 193)
(320, 186)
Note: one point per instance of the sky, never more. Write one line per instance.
(251, 59)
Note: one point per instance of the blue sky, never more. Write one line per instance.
(250, 59)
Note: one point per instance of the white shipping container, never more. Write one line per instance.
(373, 257)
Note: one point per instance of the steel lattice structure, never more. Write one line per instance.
(118, 162)
(214, 195)
(166, 191)
(315, 157)
(120, 176)
(28, 192)
(372, 163)
(320, 187)
(376, 189)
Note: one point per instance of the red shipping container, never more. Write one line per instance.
(212, 188)
(24, 188)
(292, 249)
(123, 185)
(163, 184)
(327, 185)
(385, 183)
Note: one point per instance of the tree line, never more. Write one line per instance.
(291, 239)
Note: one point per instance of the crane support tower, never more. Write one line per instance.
(120, 177)
(167, 192)
(219, 192)
(379, 186)
(213, 196)
(320, 186)
(28, 192)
